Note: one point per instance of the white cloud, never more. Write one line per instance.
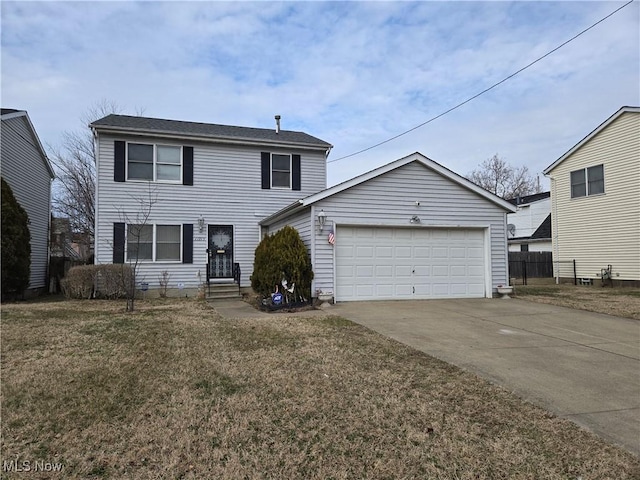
(351, 73)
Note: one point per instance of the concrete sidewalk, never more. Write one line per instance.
(579, 365)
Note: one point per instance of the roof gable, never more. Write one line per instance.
(10, 113)
(595, 132)
(359, 180)
(206, 131)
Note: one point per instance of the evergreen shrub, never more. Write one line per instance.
(280, 256)
(16, 244)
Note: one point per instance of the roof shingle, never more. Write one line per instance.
(205, 130)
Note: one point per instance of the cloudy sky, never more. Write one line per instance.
(351, 73)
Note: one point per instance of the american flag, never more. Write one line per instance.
(332, 238)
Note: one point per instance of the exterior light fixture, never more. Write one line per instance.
(322, 219)
(414, 219)
(201, 224)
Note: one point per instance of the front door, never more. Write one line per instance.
(220, 251)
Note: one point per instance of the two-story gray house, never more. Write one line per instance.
(209, 185)
(409, 229)
(26, 168)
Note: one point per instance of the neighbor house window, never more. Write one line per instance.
(154, 242)
(280, 170)
(154, 162)
(587, 181)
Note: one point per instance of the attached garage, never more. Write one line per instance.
(411, 229)
(376, 263)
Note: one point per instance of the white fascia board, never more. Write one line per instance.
(598, 129)
(290, 209)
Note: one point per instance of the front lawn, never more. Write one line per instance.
(173, 391)
(618, 301)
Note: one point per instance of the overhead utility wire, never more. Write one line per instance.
(485, 90)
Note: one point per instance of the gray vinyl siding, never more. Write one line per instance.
(389, 200)
(301, 221)
(226, 191)
(26, 172)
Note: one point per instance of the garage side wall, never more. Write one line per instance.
(301, 222)
(390, 200)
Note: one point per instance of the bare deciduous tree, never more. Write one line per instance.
(75, 165)
(138, 235)
(498, 177)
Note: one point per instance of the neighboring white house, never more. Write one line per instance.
(26, 168)
(411, 229)
(595, 195)
(529, 228)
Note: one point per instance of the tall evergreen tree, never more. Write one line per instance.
(16, 244)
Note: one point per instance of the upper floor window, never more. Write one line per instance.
(280, 170)
(587, 181)
(154, 162)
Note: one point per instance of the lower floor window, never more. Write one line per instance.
(153, 242)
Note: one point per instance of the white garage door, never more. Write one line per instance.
(374, 263)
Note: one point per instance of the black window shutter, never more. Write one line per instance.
(187, 165)
(119, 154)
(118, 242)
(187, 243)
(295, 172)
(266, 170)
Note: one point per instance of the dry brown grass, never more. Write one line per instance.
(618, 301)
(173, 391)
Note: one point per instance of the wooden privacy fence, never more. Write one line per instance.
(530, 265)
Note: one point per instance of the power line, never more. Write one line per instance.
(486, 89)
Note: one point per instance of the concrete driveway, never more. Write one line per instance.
(579, 365)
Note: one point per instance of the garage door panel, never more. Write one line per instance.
(440, 252)
(386, 263)
(458, 271)
(476, 271)
(384, 252)
(440, 270)
(364, 291)
(403, 271)
(364, 252)
(404, 291)
(383, 271)
(364, 271)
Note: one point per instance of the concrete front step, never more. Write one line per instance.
(219, 291)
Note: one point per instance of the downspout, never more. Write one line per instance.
(554, 229)
(313, 248)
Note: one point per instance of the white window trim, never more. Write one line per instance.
(586, 183)
(155, 163)
(276, 187)
(154, 244)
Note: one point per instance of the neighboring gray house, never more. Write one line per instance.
(411, 229)
(529, 228)
(27, 170)
(212, 184)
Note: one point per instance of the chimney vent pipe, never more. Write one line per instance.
(277, 123)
